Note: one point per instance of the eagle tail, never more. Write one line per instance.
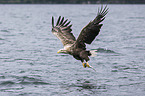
(93, 53)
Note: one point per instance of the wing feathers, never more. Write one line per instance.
(67, 23)
(100, 16)
(62, 30)
(52, 21)
(58, 20)
(61, 21)
(64, 22)
(90, 31)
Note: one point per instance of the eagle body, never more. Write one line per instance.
(77, 47)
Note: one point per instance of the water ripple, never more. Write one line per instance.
(7, 83)
(24, 80)
(2, 39)
(4, 30)
(14, 60)
(136, 17)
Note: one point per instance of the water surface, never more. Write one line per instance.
(30, 65)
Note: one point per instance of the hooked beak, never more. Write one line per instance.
(58, 51)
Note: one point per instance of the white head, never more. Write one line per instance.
(62, 51)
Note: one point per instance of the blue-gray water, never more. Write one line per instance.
(30, 65)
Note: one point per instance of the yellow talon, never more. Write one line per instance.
(87, 64)
(84, 65)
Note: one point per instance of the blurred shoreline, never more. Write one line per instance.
(72, 1)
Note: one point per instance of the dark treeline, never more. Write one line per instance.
(72, 1)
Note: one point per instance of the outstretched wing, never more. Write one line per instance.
(90, 31)
(62, 30)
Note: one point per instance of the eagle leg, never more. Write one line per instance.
(86, 65)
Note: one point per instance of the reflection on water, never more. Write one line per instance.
(85, 87)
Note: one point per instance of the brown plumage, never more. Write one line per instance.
(77, 47)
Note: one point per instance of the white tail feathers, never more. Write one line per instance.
(93, 53)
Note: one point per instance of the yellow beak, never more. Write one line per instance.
(58, 51)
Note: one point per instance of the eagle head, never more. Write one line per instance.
(62, 51)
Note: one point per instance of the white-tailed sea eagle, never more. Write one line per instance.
(77, 47)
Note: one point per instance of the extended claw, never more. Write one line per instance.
(89, 66)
